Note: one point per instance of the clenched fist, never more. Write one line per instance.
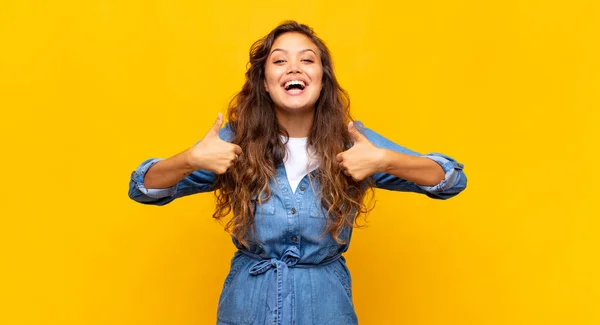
(212, 153)
(363, 159)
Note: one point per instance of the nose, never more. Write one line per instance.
(294, 67)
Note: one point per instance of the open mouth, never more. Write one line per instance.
(294, 86)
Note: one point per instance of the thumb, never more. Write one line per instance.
(214, 130)
(355, 134)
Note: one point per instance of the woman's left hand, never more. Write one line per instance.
(363, 159)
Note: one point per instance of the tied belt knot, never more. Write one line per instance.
(290, 258)
(280, 288)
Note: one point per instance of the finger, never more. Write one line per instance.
(339, 157)
(237, 149)
(355, 134)
(214, 130)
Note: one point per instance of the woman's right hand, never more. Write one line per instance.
(212, 153)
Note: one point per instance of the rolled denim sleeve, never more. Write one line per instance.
(454, 182)
(197, 182)
(137, 180)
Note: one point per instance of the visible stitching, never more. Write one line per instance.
(345, 283)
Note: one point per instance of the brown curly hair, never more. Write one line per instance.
(252, 119)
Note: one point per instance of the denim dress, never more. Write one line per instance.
(293, 272)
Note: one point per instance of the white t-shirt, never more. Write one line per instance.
(299, 161)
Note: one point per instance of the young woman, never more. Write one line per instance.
(293, 169)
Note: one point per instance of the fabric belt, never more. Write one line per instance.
(289, 259)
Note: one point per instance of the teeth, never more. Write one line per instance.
(294, 82)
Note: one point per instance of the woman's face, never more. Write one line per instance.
(293, 73)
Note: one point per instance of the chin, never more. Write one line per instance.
(296, 105)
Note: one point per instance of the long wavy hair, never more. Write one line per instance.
(256, 130)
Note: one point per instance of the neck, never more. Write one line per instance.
(297, 125)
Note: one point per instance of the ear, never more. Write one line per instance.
(265, 83)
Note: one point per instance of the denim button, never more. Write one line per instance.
(294, 239)
(302, 187)
(293, 211)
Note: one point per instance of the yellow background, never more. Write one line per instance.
(89, 89)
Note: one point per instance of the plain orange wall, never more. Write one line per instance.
(89, 89)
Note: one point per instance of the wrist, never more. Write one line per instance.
(189, 163)
(383, 161)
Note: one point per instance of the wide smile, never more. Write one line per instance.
(294, 87)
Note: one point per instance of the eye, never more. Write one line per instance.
(279, 61)
(308, 60)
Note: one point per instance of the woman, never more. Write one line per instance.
(294, 170)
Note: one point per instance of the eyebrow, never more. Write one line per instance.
(302, 51)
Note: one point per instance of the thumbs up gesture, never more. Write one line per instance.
(363, 159)
(212, 153)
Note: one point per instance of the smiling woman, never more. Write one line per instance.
(293, 74)
(294, 169)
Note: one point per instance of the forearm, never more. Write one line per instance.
(419, 170)
(168, 172)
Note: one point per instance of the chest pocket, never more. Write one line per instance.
(317, 210)
(266, 208)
